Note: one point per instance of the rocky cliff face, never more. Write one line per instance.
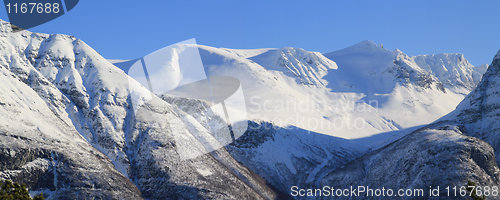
(480, 111)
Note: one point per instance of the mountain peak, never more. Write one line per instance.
(306, 67)
(5, 26)
(365, 48)
(292, 48)
(367, 43)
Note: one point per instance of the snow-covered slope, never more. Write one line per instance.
(46, 152)
(308, 67)
(71, 85)
(286, 87)
(291, 86)
(410, 91)
(292, 156)
(457, 148)
(42, 148)
(351, 93)
(363, 68)
(247, 53)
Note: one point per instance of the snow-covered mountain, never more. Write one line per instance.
(294, 94)
(78, 133)
(457, 148)
(410, 91)
(351, 93)
(43, 147)
(453, 70)
(407, 95)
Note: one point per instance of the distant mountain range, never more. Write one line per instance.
(405, 91)
(354, 116)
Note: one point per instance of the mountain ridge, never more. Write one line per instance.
(87, 95)
(92, 96)
(458, 148)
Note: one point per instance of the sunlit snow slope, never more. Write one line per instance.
(351, 93)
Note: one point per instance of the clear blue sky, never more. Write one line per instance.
(129, 29)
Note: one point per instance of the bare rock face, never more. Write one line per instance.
(480, 110)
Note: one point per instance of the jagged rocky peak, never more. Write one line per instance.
(407, 72)
(306, 67)
(450, 71)
(453, 69)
